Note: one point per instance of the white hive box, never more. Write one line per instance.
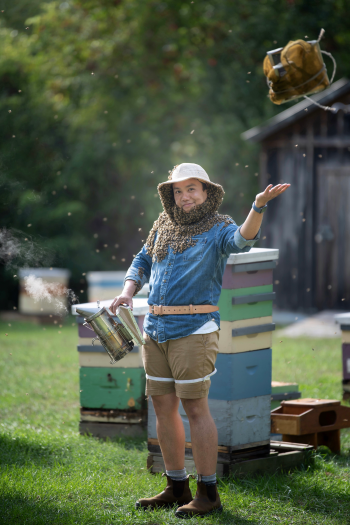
(56, 276)
(107, 285)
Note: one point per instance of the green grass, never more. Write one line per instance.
(51, 475)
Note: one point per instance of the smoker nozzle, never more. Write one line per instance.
(84, 313)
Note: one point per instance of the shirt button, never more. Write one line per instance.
(164, 281)
(166, 273)
(162, 297)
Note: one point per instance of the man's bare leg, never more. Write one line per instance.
(170, 431)
(204, 436)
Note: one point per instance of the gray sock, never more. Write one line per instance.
(207, 480)
(177, 475)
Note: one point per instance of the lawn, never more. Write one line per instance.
(49, 474)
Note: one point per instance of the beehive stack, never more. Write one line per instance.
(240, 392)
(344, 321)
(112, 397)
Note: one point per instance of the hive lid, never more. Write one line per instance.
(310, 402)
(140, 306)
(254, 255)
(44, 272)
(343, 319)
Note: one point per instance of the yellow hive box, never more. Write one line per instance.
(99, 358)
(246, 335)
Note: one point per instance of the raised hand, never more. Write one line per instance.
(270, 193)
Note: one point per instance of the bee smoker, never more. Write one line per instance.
(117, 338)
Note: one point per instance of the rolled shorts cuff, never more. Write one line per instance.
(181, 381)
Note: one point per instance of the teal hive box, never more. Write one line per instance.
(113, 388)
(242, 375)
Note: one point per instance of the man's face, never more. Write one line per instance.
(188, 194)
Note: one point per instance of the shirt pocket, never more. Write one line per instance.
(195, 253)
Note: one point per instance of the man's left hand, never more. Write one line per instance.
(270, 193)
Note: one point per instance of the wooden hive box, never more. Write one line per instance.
(243, 375)
(246, 335)
(247, 290)
(346, 360)
(240, 424)
(344, 321)
(113, 388)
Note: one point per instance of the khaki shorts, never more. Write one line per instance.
(183, 366)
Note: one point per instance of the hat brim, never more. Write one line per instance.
(161, 184)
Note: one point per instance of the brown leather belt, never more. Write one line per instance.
(176, 310)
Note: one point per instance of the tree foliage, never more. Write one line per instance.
(100, 99)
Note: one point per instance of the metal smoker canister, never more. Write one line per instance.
(114, 337)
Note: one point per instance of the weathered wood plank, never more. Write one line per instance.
(111, 430)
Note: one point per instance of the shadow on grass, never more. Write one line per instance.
(128, 443)
(17, 510)
(19, 451)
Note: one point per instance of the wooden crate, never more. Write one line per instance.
(240, 424)
(313, 421)
(96, 356)
(277, 456)
(113, 388)
(241, 376)
(246, 335)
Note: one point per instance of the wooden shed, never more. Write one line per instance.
(310, 224)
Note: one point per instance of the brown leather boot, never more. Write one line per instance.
(206, 501)
(175, 493)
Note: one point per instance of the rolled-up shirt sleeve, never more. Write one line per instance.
(241, 242)
(140, 270)
(230, 240)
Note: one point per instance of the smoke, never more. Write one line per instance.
(40, 290)
(19, 250)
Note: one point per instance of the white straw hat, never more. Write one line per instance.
(188, 170)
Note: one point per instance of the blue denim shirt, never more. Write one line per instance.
(191, 277)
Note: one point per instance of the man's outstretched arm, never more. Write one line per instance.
(251, 225)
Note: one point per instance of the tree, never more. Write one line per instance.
(100, 99)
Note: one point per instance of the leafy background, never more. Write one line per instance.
(98, 101)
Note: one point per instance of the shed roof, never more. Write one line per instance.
(296, 112)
